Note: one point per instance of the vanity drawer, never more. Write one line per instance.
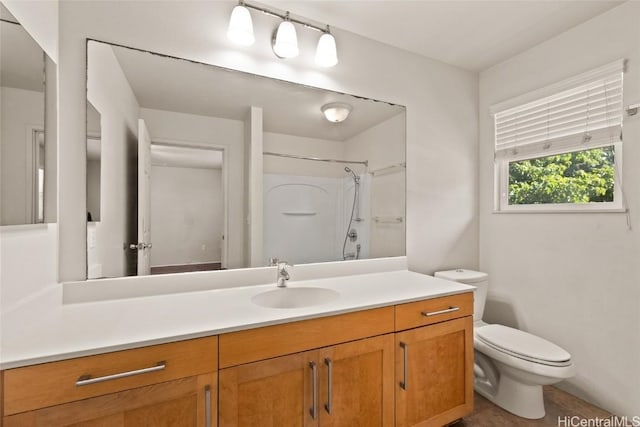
(48, 384)
(251, 345)
(421, 313)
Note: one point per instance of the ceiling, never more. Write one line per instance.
(21, 59)
(6, 15)
(182, 86)
(473, 35)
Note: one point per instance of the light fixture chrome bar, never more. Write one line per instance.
(285, 17)
(317, 159)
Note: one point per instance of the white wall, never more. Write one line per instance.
(383, 145)
(169, 126)
(253, 143)
(22, 110)
(40, 19)
(441, 105)
(51, 142)
(302, 146)
(571, 278)
(186, 215)
(110, 93)
(28, 262)
(28, 254)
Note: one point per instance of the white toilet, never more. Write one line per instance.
(511, 366)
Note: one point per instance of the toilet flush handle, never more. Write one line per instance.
(445, 311)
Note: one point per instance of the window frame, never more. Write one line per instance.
(501, 187)
(501, 162)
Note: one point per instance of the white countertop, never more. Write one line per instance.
(44, 329)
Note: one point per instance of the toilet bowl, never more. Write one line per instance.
(510, 366)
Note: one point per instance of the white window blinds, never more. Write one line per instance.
(585, 112)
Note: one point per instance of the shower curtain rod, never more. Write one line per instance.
(317, 159)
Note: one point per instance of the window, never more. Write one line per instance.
(560, 148)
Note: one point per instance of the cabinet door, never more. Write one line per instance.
(276, 392)
(434, 373)
(187, 402)
(356, 383)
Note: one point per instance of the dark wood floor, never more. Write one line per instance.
(185, 268)
(558, 404)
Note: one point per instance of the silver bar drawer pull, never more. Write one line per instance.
(207, 405)
(329, 405)
(86, 379)
(314, 377)
(404, 384)
(445, 311)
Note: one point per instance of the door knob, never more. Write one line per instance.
(140, 246)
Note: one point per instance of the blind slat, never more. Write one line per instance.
(564, 117)
(575, 125)
(577, 105)
(605, 91)
(599, 138)
(576, 130)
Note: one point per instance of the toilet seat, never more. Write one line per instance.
(523, 345)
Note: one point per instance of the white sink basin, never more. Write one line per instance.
(294, 297)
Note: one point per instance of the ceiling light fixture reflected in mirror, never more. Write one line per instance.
(336, 112)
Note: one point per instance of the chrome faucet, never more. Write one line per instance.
(283, 274)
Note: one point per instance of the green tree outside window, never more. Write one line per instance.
(578, 177)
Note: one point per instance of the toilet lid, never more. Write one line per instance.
(522, 344)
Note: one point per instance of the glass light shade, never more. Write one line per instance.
(285, 44)
(326, 53)
(336, 112)
(240, 29)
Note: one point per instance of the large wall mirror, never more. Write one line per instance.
(27, 154)
(193, 167)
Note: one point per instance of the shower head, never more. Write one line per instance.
(356, 178)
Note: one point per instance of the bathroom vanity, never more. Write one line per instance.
(395, 348)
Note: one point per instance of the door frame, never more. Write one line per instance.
(31, 170)
(225, 183)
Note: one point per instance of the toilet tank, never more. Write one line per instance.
(474, 278)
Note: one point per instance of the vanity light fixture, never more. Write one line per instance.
(240, 29)
(336, 112)
(284, 41)
(326, 53)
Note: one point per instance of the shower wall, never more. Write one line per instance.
(384, 147)
(361, 216)
(307, 204)
(306, 217)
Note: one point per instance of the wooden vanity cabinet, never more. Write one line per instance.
(348, 384)
(271, 393)
(356, 383)
(165, 385)
(403, 365)
(434, 363)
